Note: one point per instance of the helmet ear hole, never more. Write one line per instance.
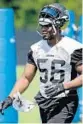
(58, 23)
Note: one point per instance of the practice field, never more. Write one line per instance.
(33, 115)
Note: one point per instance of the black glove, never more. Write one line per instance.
(54, 90)
(5, 104)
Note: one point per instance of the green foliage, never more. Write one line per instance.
(26, 11)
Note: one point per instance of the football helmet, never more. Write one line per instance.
(55, 14)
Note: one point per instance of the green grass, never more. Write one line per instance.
(33, 115)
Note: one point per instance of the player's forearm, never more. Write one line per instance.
(20, 86)
(77, 82)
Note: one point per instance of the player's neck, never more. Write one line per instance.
(55, 40)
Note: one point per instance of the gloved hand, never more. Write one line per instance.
(5, 104)
(54, 90)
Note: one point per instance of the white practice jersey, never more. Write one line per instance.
(54, 63)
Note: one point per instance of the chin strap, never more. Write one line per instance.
(54, 29)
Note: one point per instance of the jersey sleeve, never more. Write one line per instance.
(76, 57)
(30, 58)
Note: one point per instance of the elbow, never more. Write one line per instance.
(79, 69)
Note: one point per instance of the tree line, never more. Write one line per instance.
(26, 11)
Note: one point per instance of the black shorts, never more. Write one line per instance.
(62, 113)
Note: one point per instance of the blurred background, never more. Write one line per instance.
(25, 22)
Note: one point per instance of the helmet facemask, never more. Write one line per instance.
(45, 22)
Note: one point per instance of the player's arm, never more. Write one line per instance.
(27, 76)
(23, 82)
(77, 82)
(77, 62)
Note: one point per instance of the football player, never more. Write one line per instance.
(59, 60)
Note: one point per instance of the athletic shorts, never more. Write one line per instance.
(63, 112)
